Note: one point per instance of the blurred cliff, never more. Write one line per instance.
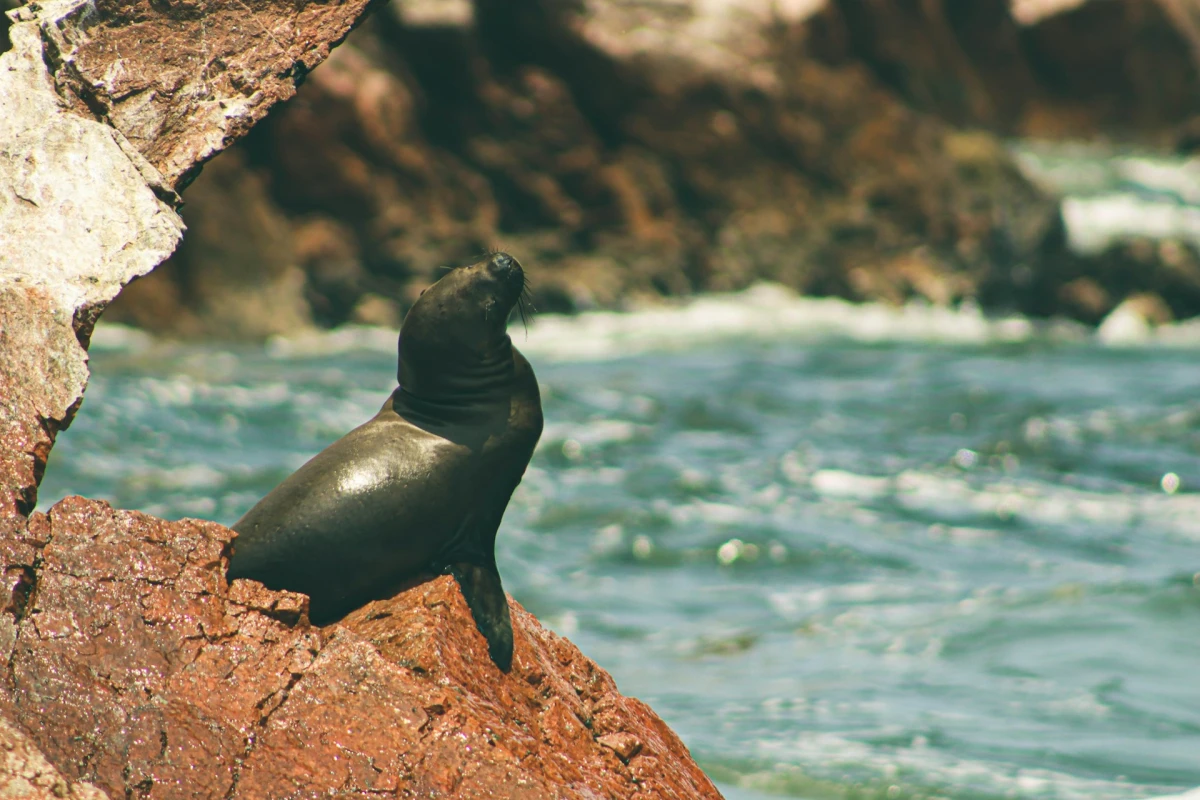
(628, 150)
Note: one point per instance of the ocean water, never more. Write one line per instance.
(845, 552)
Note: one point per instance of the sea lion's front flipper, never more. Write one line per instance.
(485, 595)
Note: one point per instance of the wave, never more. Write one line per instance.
(813, 764)
(764, 312)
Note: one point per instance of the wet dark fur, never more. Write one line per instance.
(423, 485)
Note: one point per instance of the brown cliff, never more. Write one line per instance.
(631, 150)
(705, 150)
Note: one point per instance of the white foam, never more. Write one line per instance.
(1179, 179)
(763, 311)
(1093, 223)
(1035, 503)
(1194, 794)
(817, 753)
(593, 432)
(698, 511)
(115, 337)
(839, 483)
(348, 338)
(799, 603)
(1179, 334)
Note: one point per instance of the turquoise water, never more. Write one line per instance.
(845, 553)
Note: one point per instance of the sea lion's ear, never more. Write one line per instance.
(423, 291)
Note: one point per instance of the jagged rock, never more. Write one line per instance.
(136, 668)
(184, 81)
(72, 236)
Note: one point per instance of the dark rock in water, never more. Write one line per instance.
(136, 668)
(1091, 286)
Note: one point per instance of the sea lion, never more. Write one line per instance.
(423, 485)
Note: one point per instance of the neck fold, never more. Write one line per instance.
(450, 387)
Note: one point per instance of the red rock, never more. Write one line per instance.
(38, 395)
(182, 83)
(625, 745)
(137, 669)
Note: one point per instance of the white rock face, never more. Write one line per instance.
(78, 216)
(726, 37)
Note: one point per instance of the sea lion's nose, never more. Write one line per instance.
(503, 266)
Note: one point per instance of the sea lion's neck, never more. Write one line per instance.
(453, 388)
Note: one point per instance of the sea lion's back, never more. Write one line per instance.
(362, 507)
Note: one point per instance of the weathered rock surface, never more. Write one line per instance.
(137, 669)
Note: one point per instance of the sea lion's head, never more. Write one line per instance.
(457, 328)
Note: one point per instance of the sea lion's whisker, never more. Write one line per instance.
(527, 299)
(524, 319)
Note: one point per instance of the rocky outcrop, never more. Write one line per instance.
(1089, 287)
(136, 669)
(705, 150)
(71, 237)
